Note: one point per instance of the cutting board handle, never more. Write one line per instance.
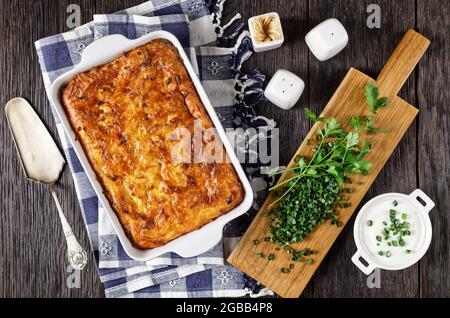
(401, 63)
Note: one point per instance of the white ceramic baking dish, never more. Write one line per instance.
(416, 205)
(191, 244)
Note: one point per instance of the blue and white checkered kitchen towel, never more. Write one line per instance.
(197, 25)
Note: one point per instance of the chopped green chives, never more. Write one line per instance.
(395, 203)
(380, 253)
(271, 257)
(397, 229)
(369, 223)
(291, 266)
(260, 255)
(309, 261)
(392, 213)
(285, 270)
(255, 242)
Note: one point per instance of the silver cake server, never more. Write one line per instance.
(41, 161)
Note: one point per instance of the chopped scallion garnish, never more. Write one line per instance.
(392, 213)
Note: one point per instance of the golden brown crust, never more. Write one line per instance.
(125, 114)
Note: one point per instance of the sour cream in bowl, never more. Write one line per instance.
(392, 231)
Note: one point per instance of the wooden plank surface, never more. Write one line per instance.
(433, 142)
(27, 214)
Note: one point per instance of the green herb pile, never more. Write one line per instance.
(313, 190)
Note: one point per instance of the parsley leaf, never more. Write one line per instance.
(311, 115)
(371, 93)
(357, 123)
(365, 124)
(352, 139)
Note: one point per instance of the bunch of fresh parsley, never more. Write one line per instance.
(301, 206)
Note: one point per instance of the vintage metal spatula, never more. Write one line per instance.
(41, 161)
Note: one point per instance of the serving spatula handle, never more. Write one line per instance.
(76, 254)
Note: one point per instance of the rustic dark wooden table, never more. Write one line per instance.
(32, 248)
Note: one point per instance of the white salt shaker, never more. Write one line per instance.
(327, 39)
(284, 89)
(266, 32)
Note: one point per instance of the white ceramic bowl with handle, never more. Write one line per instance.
(416, 205)
(191, 244)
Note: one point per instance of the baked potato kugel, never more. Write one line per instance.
(124, 114)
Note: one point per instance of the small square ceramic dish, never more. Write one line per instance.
(266, 32)
(191, 244)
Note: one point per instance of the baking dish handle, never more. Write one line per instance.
(366, 269)
(422, 200)
(209, 237)
(106, 48)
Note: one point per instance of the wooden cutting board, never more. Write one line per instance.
(347, 101)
